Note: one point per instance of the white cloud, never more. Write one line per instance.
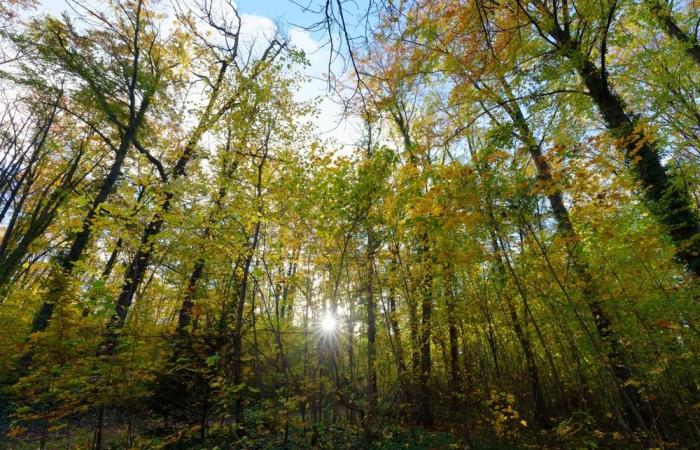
(257, 31)
(331, 122)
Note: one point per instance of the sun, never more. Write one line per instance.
(329, 324)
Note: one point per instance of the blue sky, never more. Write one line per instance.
(283, 10)
(268, 8)
(259, 17)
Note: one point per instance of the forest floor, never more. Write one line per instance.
(331, 437)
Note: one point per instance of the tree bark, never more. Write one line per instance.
(425, 411)
(455, 375)
(689, 43)
(669, 203)
(64, 265)
(396, 330)
(541, 410)
(633, 401)
(371, 337)
(139, 264)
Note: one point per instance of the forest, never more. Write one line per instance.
(506, 255)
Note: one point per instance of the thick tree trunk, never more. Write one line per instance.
(185, 316)
(634, 403)
(667, 201)
(691, 46)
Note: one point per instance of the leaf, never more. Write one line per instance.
(213, 360)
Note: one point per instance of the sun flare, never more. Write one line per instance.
(328, 324)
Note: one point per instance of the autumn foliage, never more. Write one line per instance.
(506, 257)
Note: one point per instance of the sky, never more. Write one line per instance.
(260, 18)
(285, 11)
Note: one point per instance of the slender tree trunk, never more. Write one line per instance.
(371, 338)
(238, 325)
(396, 330)
(455, 375)
(421, 335)
(185, 314)
(97, 438)
(541, 410)
(633, 400)
(540, 404)
(64, 265)
(25, 181)
(139, 264)
(425, 411)
(491, 337)
(40, 218)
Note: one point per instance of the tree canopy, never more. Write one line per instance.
(506, 256)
